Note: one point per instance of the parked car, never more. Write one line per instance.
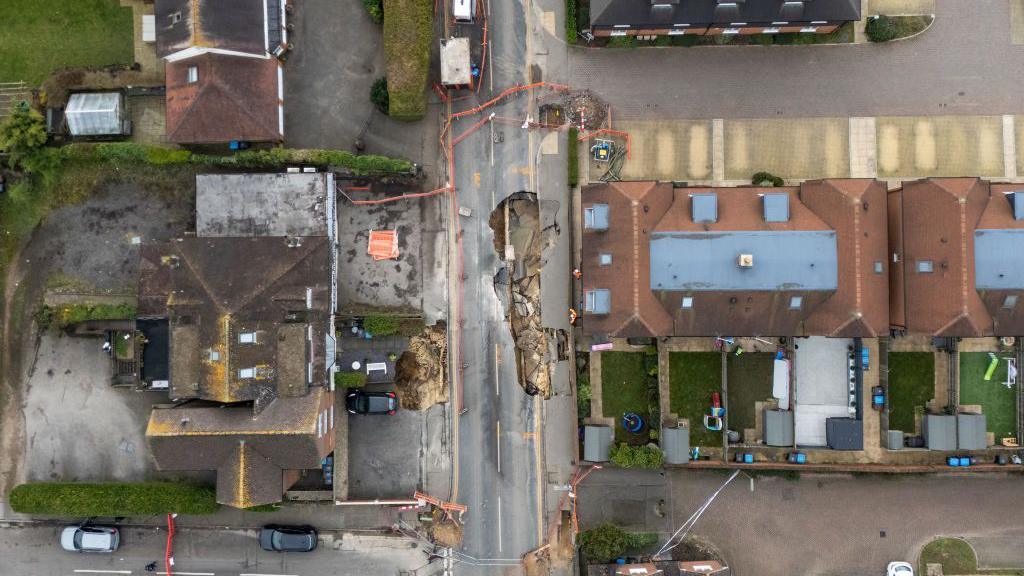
(878, 398)
(276, 538)
(899, 569)
(90, 538)
(361, 402)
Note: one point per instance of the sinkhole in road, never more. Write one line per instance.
(522, 242)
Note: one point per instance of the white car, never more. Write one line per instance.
(89, 539)
(899, 569)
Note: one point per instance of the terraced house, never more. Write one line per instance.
(649, 18)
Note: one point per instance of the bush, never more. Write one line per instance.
(880, 29)
(408, 39)
(574, 161)
(626, 456)
(381, 325)
(622, 42)
(113, 498)
(570, 21)
(379, 95)
(766, 179)
(23, 134)
(349, 380)
(604, 543)
(375, 8)
(723, 39)
(583, 397)
(763, 39)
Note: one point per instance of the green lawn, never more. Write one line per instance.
(624, 389)
(955, 555)
(999, 403)
(911, 384)
(750, 381)
(693, 376)
(40, 36)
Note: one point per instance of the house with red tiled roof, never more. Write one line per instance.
(957, 257)
(224, 81)
(659, 260)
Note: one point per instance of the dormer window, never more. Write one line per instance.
(1010, 302)
(193, 74)
(596, 217)
(247, 338)
(247, 373)
(796, 302)
(176, 17)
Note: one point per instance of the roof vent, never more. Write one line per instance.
(294, 242)
(745, 260)
(1017, 202)
(704, 207)
(776, 207)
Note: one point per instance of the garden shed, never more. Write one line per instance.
(675, 443)
(95, 114)
(597, 443)
(970, 432)
(778, 427)
(940, 431)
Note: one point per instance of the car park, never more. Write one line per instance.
(278, 538)
(87, 538)
(361, 402)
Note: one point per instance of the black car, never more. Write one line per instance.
(360, 402)
(275, 538)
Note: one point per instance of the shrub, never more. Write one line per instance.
(880, 29)
(763, 39)
(349, 380)
(263, 508)
(583, 396)
(159, 155)
(381, 325)
(113, 498)
(375, 8)
(574, 161)
(23, 134)
(723, 39)
(408, 39)
(766, 179)
(379, 95)
(604, 543)
(626, 456)
(622, 42)
(570, 21)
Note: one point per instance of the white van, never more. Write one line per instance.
(463, 10)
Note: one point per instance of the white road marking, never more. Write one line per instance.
(497, 370)
(255, 574)
(499, 523)
(189, 573)
(498, 425)
(103, 571)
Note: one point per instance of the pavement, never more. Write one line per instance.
(819, 524)
(201, 552)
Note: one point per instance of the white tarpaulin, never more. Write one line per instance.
(94, 114)
(780, 383)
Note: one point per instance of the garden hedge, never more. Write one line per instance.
(113, 498)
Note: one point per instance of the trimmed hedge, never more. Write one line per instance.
(408, 38)
(574, 161)
(626, 456)
(113, 498)
(66, 315)
(131, 153)
(570, 21)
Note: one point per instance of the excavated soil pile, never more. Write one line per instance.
(445, 532)
(420, 371)
(583, 108)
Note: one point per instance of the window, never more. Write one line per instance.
(618, 33)
(681, 25)
(676, 32)
(596, 217)
(605, 259)
(819, 22)
(1010, 302)
(193, 74)
(925, 266)
(247, 373)
(770, 30)
(176, 17)
(796, 302)
(782, 23)
(731, 31)
(598, 301)
(687, 302)
(621, 26)
(213, 355)
(878, 267)
(247, 338)
(809, 29)
(737, 23)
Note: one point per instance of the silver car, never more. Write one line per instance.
(90, 538)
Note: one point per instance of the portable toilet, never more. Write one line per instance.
(96, 114)
(463, 10)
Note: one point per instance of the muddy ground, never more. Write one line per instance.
(85, 247)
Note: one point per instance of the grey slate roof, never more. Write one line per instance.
(999, 259)
(783, 260)
(706, 12)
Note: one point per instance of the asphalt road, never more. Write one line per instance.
(964, 64)
(819, 524)
(35, 551)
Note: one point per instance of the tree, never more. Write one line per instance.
(23, 134)
(379, 95)
(375, 8)
(604, 543)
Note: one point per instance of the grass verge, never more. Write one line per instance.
(693, 377)
(40, 36)
(883, 28)
(999, 403)
(750, 381)
(911, 385)
(113, 499)
(623, 389)
(408, 38)
(955, 555)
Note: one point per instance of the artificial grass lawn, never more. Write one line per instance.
(40, 36)
(408, 40)
(999, 403)
(955, 555)
(911, 384)
(693, 376)
(623, 389)
(750, 381)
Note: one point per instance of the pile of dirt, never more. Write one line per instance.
(532, 344)
(444, 531)
(420, 371)
(583, 109)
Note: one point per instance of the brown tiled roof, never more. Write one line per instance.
(856, 210)
(934, 221)
(234, 98)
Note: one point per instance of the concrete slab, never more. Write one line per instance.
(794, 149)
(149, 119)
(822, 386)
(668, 150)
(863, 148)
(900, 7)
(918, 146)
(1017, 21)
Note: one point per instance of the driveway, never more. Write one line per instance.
(819, 524)
(384, 453)
(337, 56)
(963, 65)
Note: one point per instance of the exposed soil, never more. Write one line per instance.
(420, 371)
(445, 532)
